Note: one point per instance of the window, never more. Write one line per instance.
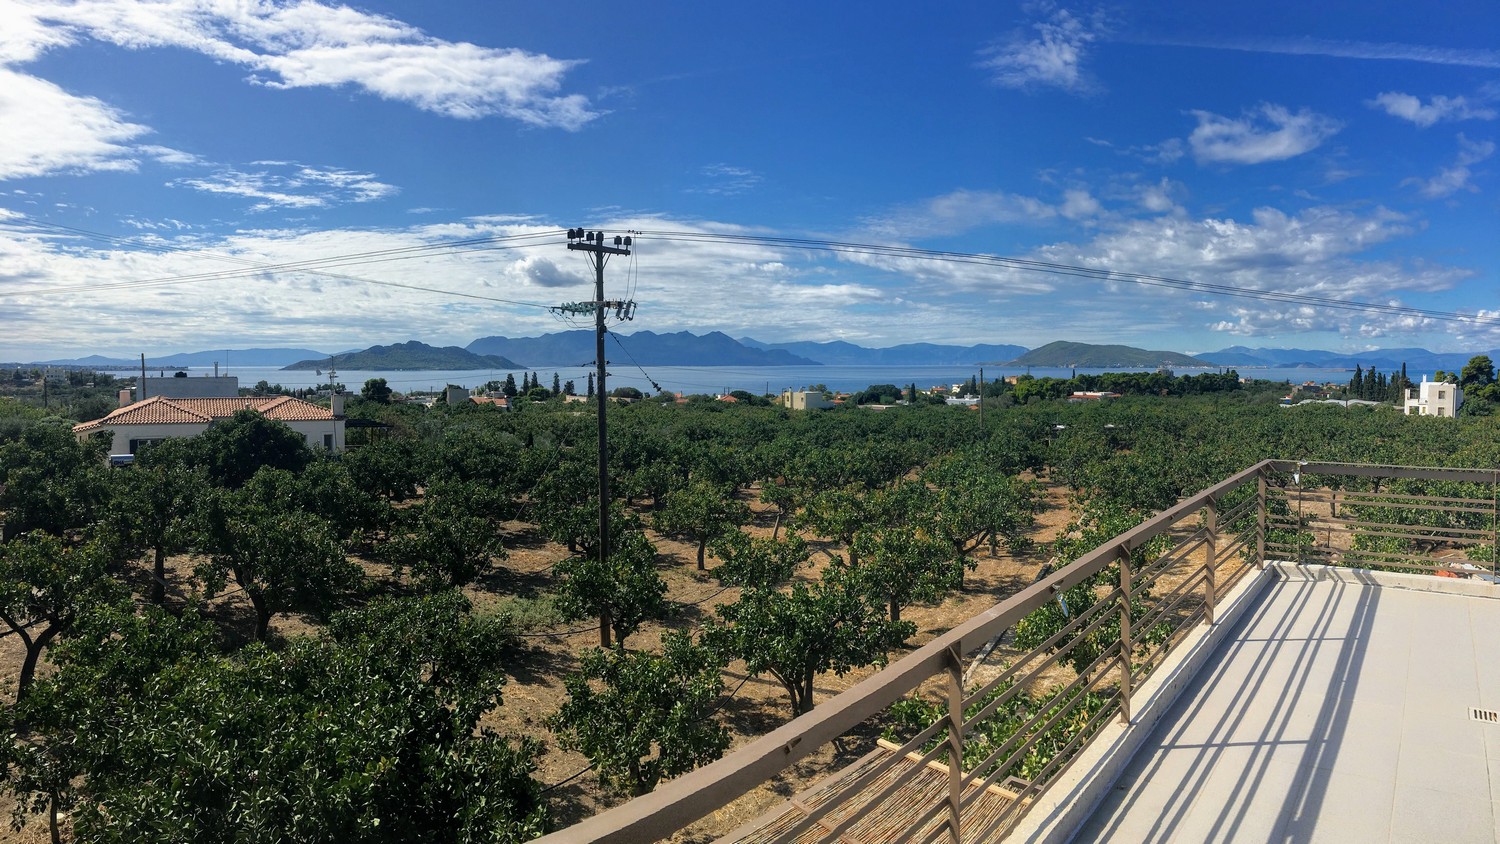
(1441, 411)
(328, 442)
(136, 445)
(1442, 394)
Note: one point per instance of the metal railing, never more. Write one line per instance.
(1134, 598)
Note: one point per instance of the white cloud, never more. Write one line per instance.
(1079, 205)
(1455, 177)
(44, 129)
(1052, 55)
(1409, 107)
(296, 186)
(957, 212)
(1268, 133)
(1364, 50)
(309, 44)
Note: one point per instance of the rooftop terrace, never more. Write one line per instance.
(1296, 653)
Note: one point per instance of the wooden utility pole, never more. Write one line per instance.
(592, 243)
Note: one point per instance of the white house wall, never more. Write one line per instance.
(313, 430)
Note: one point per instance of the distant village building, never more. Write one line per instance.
(493, 401)
(1434, 398)
(159, 418)
(1092, 395)
(804, 400)
(455, 395)
(966, 400)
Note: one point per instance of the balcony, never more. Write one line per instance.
(1294, 653)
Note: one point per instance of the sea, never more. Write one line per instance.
(716, 380)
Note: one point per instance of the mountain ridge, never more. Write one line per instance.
(411, 355)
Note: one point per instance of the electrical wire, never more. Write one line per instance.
(319, 266)
(619, 343)
(1056, 268)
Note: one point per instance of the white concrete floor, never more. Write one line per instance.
(1338, 712)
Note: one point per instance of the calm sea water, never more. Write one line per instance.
(719, 379)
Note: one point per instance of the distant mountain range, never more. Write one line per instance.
(409, 355)
(1416, 360)
(647, 348)
(840, 353)
(224, 357)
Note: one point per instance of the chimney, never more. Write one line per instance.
(336, 402)
(124, 397)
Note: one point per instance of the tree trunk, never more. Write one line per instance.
(702, 543)
(34, 648)
(52, 824)
(776, 526)
(604, 624)
(262, 615)
(896, 610)
(158, 585)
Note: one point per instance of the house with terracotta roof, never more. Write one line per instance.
(159, 418)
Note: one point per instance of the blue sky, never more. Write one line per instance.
(1338, 150)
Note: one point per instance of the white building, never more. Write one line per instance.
(804, 400)
(1434, 398)
(159, 418)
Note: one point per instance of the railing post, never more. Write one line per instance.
(955, 743)
(1260, 519)
(1127, 646)
(1210, 563)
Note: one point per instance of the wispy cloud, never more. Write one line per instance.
(1456, 176)
(1365, 50)
(291, 185)
(1439, 108)
(304, 44)
(726, 180)
(1268, 133)
(1049, 54)
(956, 212)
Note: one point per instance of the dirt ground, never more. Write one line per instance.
(535, 691)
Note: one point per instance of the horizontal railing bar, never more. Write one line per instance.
(1062, 758)
(1340, 522)
(1364, 498)
(1159, 610)
(1148, 659)
(1053, 658)
(1237, 512)
(1416, 534)
(1025, 729)
(1392, 558)
(1171, 557)
(1362, 470)
(1397, 499)
(1039, 651)
(1034, 737)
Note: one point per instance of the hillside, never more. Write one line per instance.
(647, 348)
(841, 353)
(409, 355)
(1064, 353)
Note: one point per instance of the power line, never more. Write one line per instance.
(318, 266)
(1056, 268)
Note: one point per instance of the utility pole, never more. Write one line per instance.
(981, 401)
(592, 244)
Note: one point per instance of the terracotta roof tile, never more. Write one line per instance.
(159, 410)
